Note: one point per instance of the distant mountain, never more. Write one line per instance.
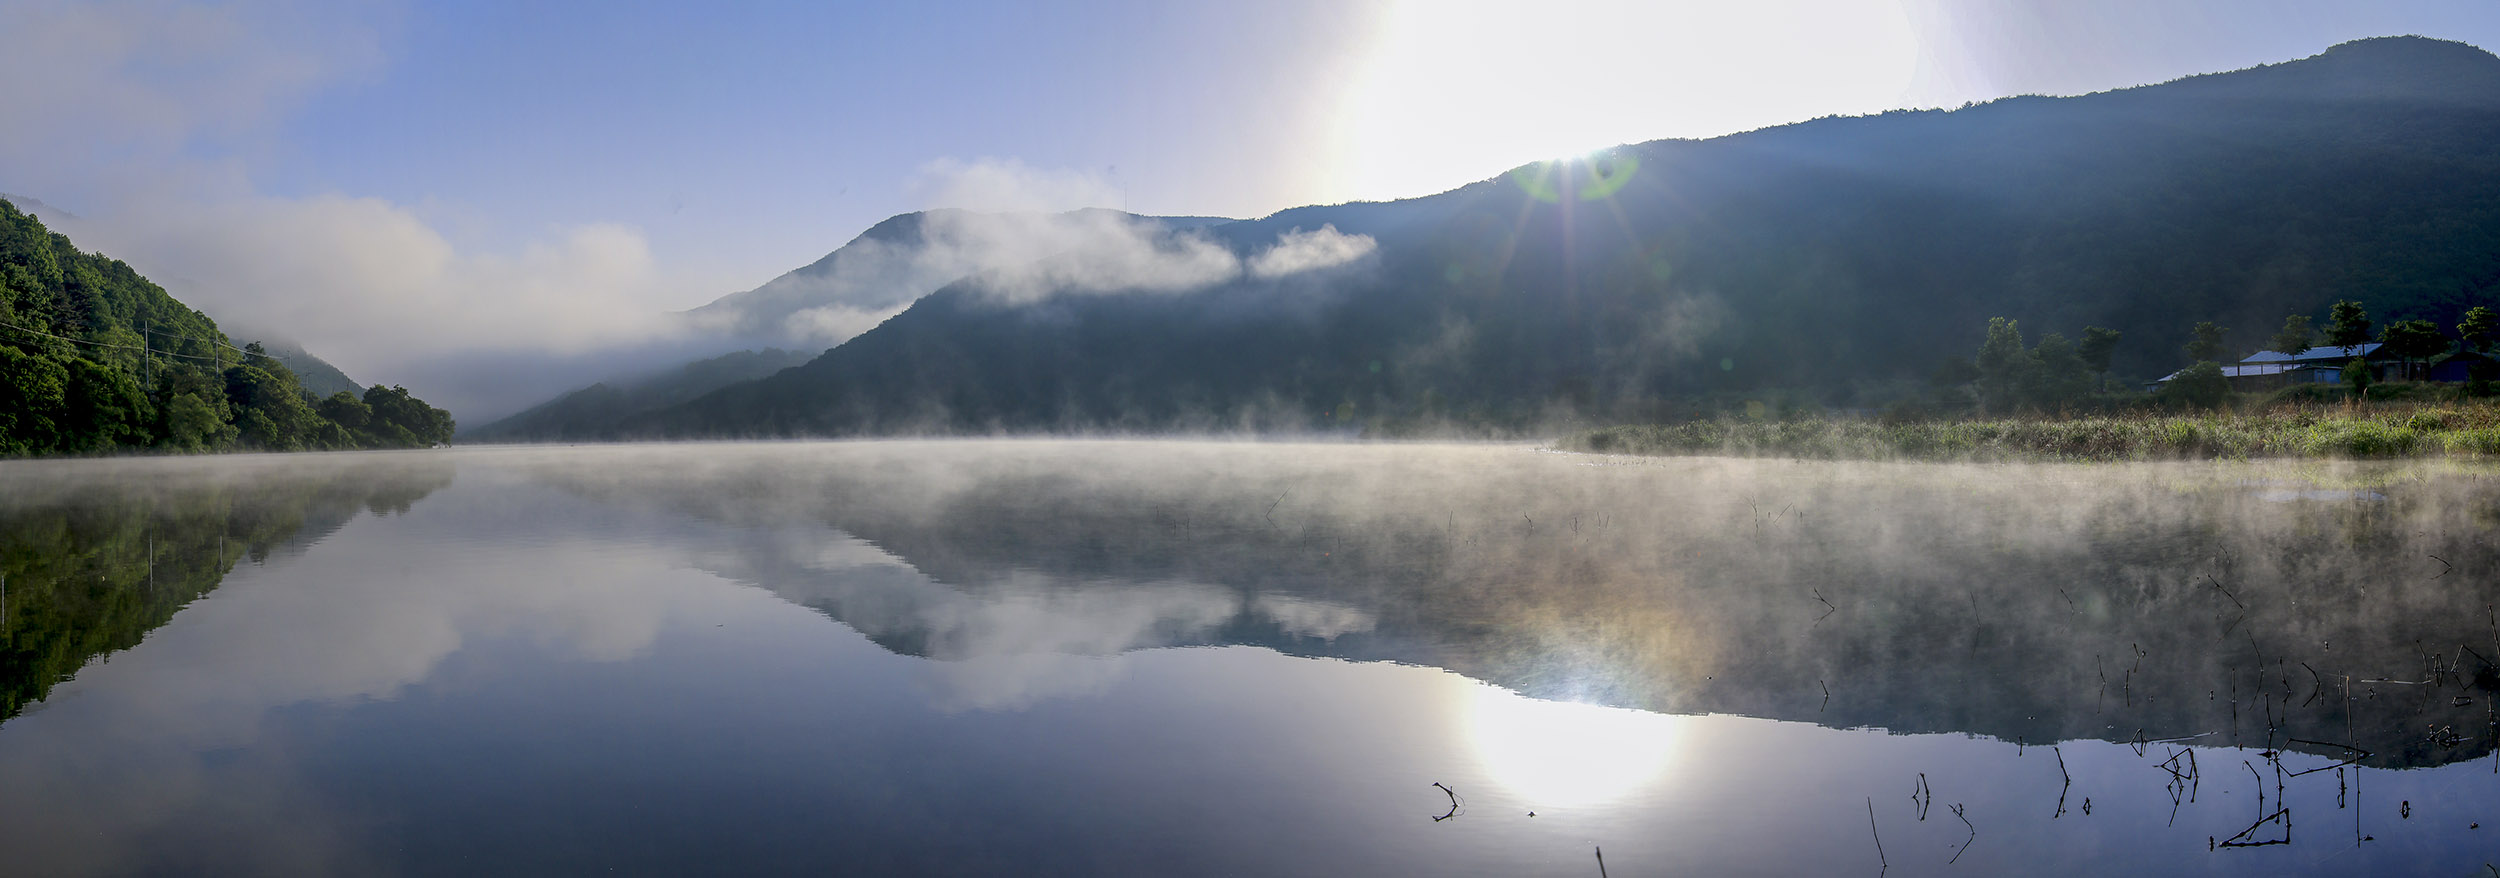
(893, 264)
(37, 208)
(826, 302)
(598, 409)
(1837, 260)
(315, 373)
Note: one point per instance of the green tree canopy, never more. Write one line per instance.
(2200, 385)
(2058, 374)
(2411, 341)
(2296, 335)
(2479, 329)
(2002, 364)
(98, 359)
(2205, 342)
(2347, 326)
(2098, 345)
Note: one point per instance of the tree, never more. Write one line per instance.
(2205, 342)
(2357, 374)
(2099, 342)
(2297, 335)
(2480, 329)
(269, 410)
(2347, 326)
(2200, 385)
(191, 425)
(404, 420)
(103, 407)
(2002, 363)
(2058, 375)
(2410, 340)
(345, 410)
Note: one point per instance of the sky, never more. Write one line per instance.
(400, 184)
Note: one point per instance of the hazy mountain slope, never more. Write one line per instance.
(1828, 257)
(889, 266)
(595, 410)
(826, 302)
(315, 373)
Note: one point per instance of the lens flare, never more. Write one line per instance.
(1591, 177)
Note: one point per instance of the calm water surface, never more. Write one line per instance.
(1178, 658)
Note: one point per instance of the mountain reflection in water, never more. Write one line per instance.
(553, 659)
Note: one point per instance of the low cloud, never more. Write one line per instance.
(379, 291)
(1298, 251)
(1021, 233)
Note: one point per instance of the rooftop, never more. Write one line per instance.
(2316, 353)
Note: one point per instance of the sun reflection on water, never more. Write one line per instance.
(1556, 754)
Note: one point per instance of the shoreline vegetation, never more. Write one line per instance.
(2351, 430)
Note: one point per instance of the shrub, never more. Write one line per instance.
(2485, 440)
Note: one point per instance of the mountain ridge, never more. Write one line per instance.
(1832, 260)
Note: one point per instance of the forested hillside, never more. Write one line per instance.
(595, 411)
(1837, 261)
(96, 359)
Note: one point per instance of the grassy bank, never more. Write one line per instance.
(2333, 430)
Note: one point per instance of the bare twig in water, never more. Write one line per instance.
(2217, 584)
(1828, 608)
(2245, 839)
(1879, 834)
(1974, 834)
(1454, 803)
(2067, 782)
(1601, 863)
(1271, 508)
(2447, 568)
(1922, 796)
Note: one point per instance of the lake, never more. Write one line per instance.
(1181, 658)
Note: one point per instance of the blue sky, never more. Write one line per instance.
(398, 181)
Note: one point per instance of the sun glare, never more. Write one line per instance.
(1451, 90)
(1558, 754)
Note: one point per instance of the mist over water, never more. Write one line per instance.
(1125, 657)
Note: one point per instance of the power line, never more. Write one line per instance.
(100, 344)
(215, 341)
(150, 350)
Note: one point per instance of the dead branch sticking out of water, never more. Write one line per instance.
(2217, 584)
(1922, 797)
(1454, 802)
(2066, 782)
(1601, 862)
(2182, 784)
(1974, 834)
(1879, 835)
(2247, 837)
(2353, 755)
(2446, 568)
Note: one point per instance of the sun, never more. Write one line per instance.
(1452, 91)
(1559, 754)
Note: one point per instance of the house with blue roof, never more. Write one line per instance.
(2266, 370)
